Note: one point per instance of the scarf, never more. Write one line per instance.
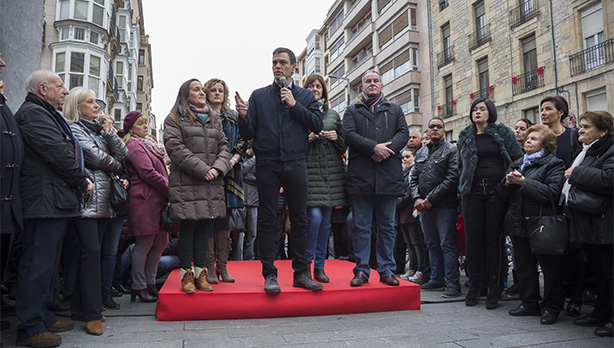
(373, 102)
(576, 162)
(77, 144)
(529, 159)
(151, 145)
(201, 114)
(322, 105)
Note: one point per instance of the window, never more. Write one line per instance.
(94, 38)
(336, 23)
(141, 57)
(118, 115)
(529, 53)
(413, 17)
(447, 41)
(98, 12)
(122, 28)
(532, 115)
(443, 4)
(139, 83)
(399, 65)
(447, 82)
(409, 101)
(398, 26)
(592, 33)
(318, 70)
(527, 8)
(337, 48)
(65, 34)
(79, 34)
(382, 5)
(480, 20)
(77, 62)
(139, 107)
(60, 62)
(94, 78)
(81, 9)
(339, 72)
(338, 103)
(483, 77)
(64, 9)
(596, 100)
(119, 73)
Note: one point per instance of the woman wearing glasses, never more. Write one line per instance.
(485, 151)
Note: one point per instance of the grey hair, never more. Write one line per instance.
(36, 78)
(368, 72)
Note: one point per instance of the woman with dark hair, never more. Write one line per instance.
(554, 109)
(485, 150)
(520, 129)
(219, 244)
(200, 157)
(532, 183)
(592, 172)
(325, 178)
(147, 195)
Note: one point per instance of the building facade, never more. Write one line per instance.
(518, 52)
(390, 36)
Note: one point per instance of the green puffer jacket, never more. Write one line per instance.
(325, 168)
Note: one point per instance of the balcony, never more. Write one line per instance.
(592, 57)
(445, 57)
(523, 13)
(487, 93)
(446, 110)
(479, 37)
(528, 81)
(443, 4)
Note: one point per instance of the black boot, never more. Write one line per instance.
(120, 287)
(107, 299)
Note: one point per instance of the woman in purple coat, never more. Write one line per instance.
(147, 195)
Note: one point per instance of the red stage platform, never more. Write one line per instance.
(246, 297)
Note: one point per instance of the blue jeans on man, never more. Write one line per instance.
(438, 225)
(363, 207)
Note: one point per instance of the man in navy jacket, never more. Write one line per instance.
(279, 118)
(376, 132)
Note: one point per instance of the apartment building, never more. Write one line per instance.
(516, 53)
(390, 36)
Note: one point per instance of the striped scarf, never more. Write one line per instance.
(201, 114)
(373, 102)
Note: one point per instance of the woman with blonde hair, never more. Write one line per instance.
(200, 157)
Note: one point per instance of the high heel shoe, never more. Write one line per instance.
(142, 294)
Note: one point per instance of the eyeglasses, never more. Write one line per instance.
(438, 126)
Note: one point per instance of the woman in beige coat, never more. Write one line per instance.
(200, 157)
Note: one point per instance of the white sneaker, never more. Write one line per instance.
(416, 278)
(408, 274)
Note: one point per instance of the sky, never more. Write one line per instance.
(232, 40)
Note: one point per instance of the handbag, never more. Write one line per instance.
(236, 220)
(119, 194)
(587, 201)
(166, 222)
(549, 234)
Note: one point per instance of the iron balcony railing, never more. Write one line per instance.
(592, 57)
(479, 37)
(528, 81)
(447, 110)
(445, 57)
(523, 13)
(487, 93)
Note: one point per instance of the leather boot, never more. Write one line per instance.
(107, 299)
(94, 327)
(211, 261)
(187, 281)
(202, 282)
(222, 248)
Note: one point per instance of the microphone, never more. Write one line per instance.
(282, 81)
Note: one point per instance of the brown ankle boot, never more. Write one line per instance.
(187, 282)
(202, 283)
(222, 249)
(210, 263)
(94, 327)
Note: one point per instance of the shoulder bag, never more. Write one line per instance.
(119, 195)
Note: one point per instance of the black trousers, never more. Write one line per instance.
(193, 239)
(87, 296)
(485, 248)
(292, 176)
(601, 261)
(528, 276)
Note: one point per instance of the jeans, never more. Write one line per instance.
(292, 176)
(363, 207)
(42, 241)
(318, 231)
(108, 251)
(438, 226)
(251, 231)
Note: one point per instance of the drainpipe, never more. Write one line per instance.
(556, 80)
(428, 7)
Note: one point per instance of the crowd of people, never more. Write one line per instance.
(228, 178)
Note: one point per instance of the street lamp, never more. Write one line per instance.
(347, 87)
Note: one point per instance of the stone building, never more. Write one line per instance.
(516, 53)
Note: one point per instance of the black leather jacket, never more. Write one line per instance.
(435, 175)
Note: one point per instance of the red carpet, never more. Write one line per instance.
(246, 297)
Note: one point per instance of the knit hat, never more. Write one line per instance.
(129, 120)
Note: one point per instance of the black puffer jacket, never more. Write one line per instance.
(50, 179)
(543, 180)
(595, 174)
(435, 175)
(362, 131)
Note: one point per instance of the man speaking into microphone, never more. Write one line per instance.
(279, 118)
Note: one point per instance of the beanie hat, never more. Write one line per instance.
(129, 120)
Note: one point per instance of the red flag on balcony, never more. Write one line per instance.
(438, 108)
(514, 80)
(471, 96)
(540, 71)
(453, 102)
(490, 89)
